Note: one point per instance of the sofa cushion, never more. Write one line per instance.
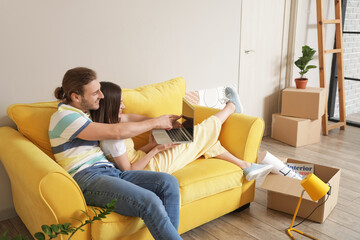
(206, 177)
(32, 120)
(154, 100)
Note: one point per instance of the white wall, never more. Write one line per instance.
(132, 43)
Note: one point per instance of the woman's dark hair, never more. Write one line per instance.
(108, 111)
(73, 82)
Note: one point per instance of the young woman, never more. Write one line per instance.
(168, 157)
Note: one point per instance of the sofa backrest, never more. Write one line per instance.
(154, 100)
(32, 120)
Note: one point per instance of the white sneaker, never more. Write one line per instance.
(257, 171)
(279, 167)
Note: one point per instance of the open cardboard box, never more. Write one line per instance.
(283, 193)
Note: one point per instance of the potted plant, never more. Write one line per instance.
(302, 64)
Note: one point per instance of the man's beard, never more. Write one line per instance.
(88, 106)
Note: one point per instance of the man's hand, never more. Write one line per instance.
(167, 121)
(177, 124)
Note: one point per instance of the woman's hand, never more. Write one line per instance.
(152, 143)
(160, 147)
(164, 147)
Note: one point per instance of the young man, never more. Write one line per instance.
(74, 138)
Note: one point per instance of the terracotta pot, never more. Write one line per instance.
(301, 83)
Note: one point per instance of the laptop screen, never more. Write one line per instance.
(188, 113)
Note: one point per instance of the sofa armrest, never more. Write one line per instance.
(43, 192)
(241, 134)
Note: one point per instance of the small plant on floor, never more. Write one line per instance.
(52, 231)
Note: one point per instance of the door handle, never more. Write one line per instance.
(249, 51)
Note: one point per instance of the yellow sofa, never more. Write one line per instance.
(43, 193)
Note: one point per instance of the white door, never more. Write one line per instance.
(262, 62)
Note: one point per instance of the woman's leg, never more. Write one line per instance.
(227, 156)
(224, 113)
(251, 170)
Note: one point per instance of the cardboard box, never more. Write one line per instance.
(295, 131)
(303, 103)
(283, 193)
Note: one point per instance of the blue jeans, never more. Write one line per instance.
(152, 196)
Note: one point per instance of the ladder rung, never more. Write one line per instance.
(331, 21)
(338, 50)
(336, 125)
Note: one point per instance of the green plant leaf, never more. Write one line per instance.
(53, 236)
(65, 226)
(46, 229)
(39, 236)
(310, 67)
(3, 237)
(308, 51)
(101, 210)
(302, 62)
(86, 214)
(18, 237)
(64, 232)
(81, 222)
(55, 228)
(94, 211)
(111, 205)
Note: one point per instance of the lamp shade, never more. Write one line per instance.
(314, 186)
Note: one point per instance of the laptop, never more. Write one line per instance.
(184, 134)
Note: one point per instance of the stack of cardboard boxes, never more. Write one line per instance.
(299, 123)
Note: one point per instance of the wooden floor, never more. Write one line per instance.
(339, 149)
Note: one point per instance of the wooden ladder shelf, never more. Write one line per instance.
(339, 60)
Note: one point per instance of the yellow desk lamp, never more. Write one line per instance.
(316, 189)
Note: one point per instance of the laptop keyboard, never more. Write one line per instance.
(176, 135)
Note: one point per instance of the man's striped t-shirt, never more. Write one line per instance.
(72, 153)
